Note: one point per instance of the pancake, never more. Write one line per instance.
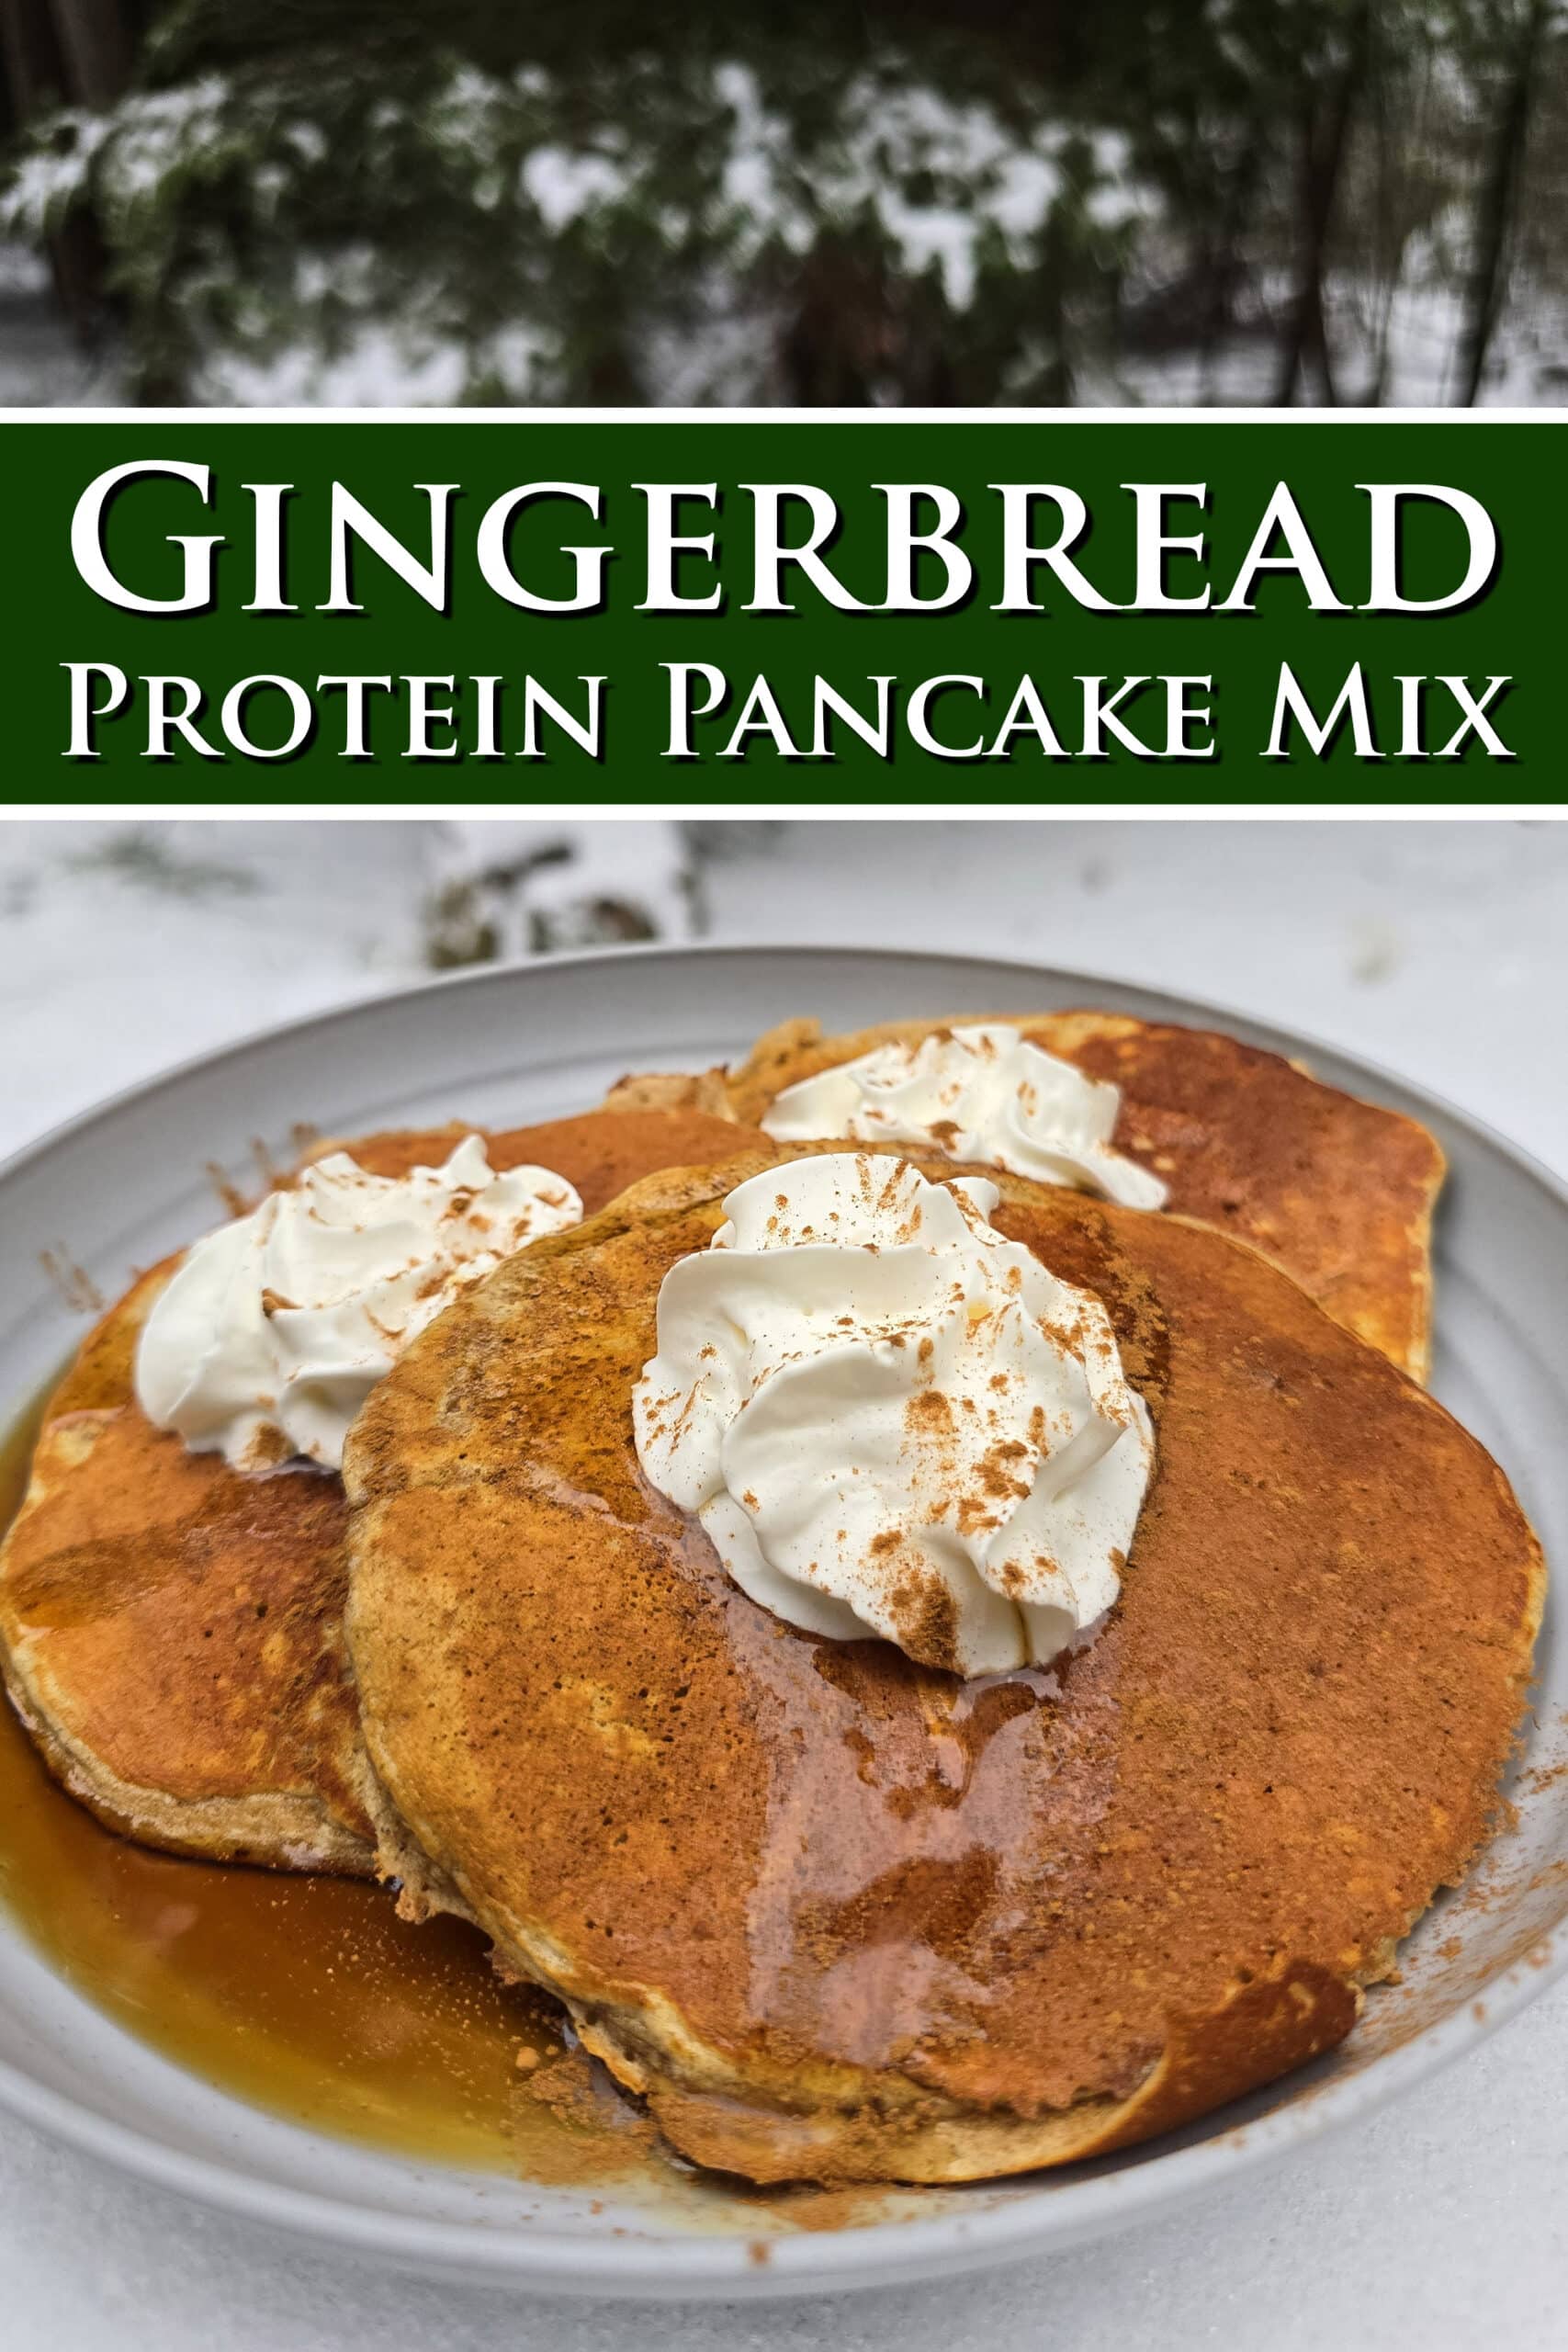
(1337, 1191)
(172, 1630)
(839, 1916)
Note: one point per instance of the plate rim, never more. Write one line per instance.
(1227, 1017)
(696, 2266)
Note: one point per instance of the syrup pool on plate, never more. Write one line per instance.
(304, 1995)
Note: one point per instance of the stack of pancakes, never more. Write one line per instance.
(831, 1914)
(172, 1630)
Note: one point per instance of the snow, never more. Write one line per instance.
(937, 187)
(136, 944)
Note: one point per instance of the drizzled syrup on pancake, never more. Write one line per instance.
(307, 1995)
(831, 1914)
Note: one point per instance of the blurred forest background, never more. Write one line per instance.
(938, 201)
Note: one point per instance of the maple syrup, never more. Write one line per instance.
(305, 1994)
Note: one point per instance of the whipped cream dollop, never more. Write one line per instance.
(274, 1328)
(981, 1094)
(892, 1420)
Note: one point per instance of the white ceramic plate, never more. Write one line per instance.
(126, 1183)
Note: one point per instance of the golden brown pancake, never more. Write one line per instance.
(837, 1915)
(172, 1630)
(1337, 1192)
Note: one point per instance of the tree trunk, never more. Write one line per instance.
(1497, 202)
(1226, 271)
(95, 44)
(64, 52)
(1324, 132)
(31, 56)
(837, 343)
(71, 52)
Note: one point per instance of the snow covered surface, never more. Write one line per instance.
(946, 181)
(1440, 949)
(399, 364)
